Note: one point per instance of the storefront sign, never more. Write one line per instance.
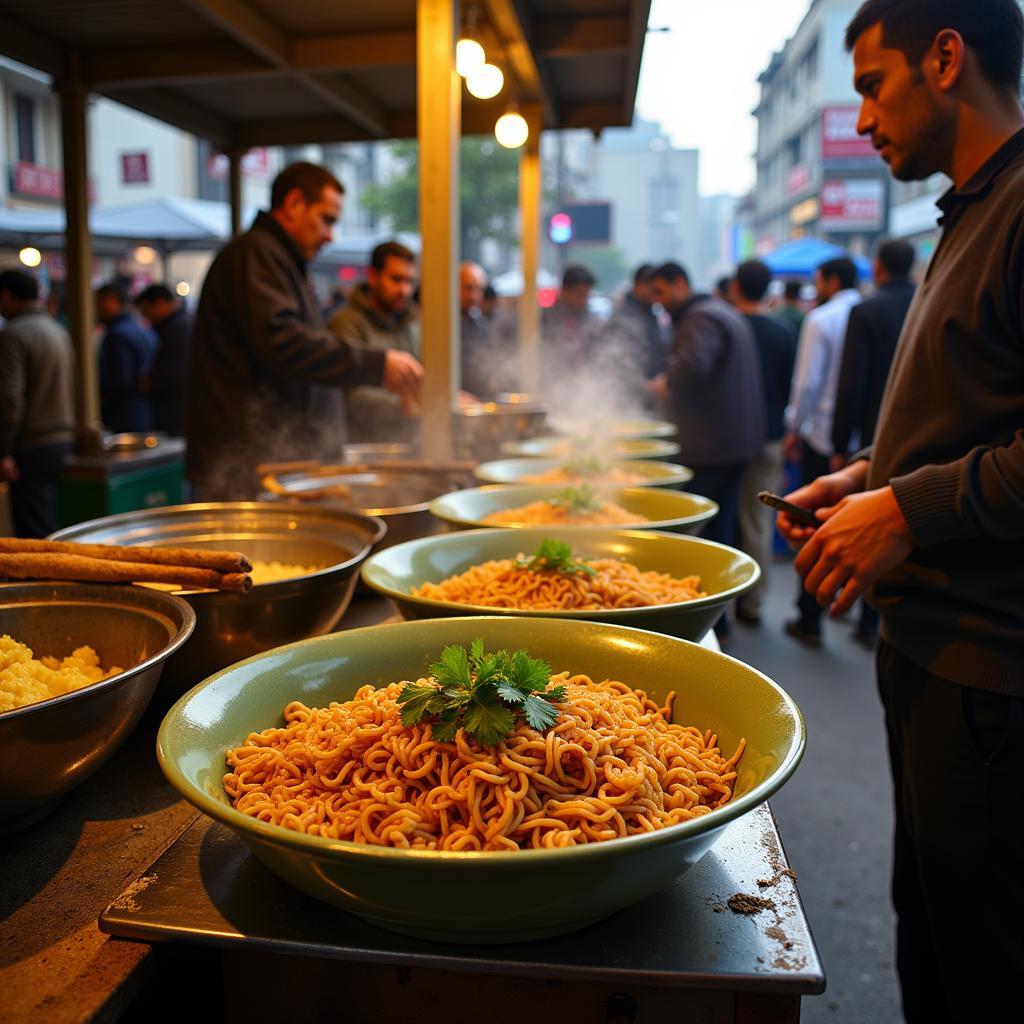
(135, 168)
(839, 138)
(799, 178)
(853, 205)
(33, 180)
(255, 164)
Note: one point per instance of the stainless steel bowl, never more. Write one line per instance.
(482, 429)
(402, 500)
(49, 747)
(232, 626)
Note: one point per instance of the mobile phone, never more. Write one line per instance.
(799, 515)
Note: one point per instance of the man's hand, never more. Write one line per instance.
(9, 470)
(837, 462)
(791, 447)
(822, 493)
(403, 375)
(860, 540)
(658, 386)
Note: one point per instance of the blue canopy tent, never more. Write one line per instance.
(802, 256)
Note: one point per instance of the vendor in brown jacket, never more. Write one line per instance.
(266, 377)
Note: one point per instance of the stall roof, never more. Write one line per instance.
(262, 72)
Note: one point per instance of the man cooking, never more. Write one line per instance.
(267, 377)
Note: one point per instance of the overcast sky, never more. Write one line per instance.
(700, 78)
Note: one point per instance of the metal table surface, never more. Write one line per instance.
(208, 888)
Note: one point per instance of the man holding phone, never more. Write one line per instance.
(933, 518)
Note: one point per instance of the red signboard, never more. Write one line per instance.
(839, 138)
(255, 164)
(135, 168)
(33, 180)
(853, 205)
(799, 177)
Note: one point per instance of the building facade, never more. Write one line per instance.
(815, 175)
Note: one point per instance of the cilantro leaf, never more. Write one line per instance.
(476, 652)
(416, 700)
(488, 723)
(539, 714)
(556, 694)
(528, 674)
(446, 726)
(586, 465)
(509, 693)
(555, 556)
(576, 500)
(453, 668)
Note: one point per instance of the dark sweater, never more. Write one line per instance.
(266, 375)
(126, 361)
(950, 440)
(170, 372)
(871, 335)
(716, 394)
(776, 347)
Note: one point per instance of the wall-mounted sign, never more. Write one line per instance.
(853, 205)
(799, 177)
(255, 164)
(33, 180)
(135, 168)
(839, 138)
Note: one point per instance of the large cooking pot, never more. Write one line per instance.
(481, 429)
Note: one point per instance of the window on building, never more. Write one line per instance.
(811, 61)
(25, 128)
(794, 151)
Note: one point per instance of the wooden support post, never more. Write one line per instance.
(529, 248)
(74, 97)
(235, 155)
(439, 101)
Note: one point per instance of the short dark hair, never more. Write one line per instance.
(842, 267)
(722, 284)
(155, 293)
(897, 256)
(115, 290)
(309, 179)
(793, 290)
(643, 274)
(752, 279)
(672, 272)
(993, 29)
(489, 292)
(381, 254)
(24, 287)
(575, 275)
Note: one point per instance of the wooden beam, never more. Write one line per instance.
(29, 47)
(247, 26)
(74, 101)
(158, 65)
(639, 14)
(298, 131)
(530, 187)
(235, 154)
(356, 50)
(259, 34)
(511, 22)
(439, 91)
(572, 37)
(595, 115)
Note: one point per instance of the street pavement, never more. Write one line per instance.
(835, 814)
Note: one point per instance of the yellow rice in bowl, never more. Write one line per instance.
(25, 679)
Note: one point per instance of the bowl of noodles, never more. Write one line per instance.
(79, 663)
(633, 508)
(656, 745)
(618, 427)
(605, 448)
(584, 469)
(666, 582)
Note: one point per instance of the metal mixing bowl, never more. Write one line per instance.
(483, 429)
(49, 747)
(233, 626)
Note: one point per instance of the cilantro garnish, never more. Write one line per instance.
(586, 465)
(577, 499)
(555, 556)
(483, 694)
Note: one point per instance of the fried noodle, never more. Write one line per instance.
(612, 766)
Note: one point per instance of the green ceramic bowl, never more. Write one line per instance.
(676, 511)
(617, 448)
(652, 474)
(481, 897)
(725, 573)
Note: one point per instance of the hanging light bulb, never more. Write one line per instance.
(30, 256)
(511, 129)
(469, 56)
(485, 82)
